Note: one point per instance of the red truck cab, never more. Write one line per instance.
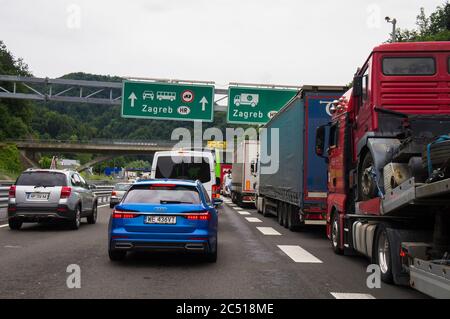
(398, 105)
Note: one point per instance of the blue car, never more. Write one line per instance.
(164, 215)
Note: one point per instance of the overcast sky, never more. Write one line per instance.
(259, 41)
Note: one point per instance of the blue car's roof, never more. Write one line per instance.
(168, 181)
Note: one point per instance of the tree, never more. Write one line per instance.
(436, 27)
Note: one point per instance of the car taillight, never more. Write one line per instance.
(113, 193)
(118, 214)
(199, 216)
(12, 191)
(215, 191)
(65, 192)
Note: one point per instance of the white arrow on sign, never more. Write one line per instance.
(203, 102)
(133, 98)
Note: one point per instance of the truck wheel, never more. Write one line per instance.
(286, 208)
(264, 210)
(383, 254)
(293, 219)
(367, 185)
(280, 213)
(336, 234)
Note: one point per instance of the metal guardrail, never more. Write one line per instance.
(103, 192)
(4, 196)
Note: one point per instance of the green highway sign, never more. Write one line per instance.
(167, 101)
(250, 105)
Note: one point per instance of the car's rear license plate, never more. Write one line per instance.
(38, 196)
(160, 219)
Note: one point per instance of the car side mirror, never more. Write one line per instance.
(320, 141)
(357, 86)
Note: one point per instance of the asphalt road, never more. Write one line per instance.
(34, 261)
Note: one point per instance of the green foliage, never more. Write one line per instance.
(139, 164)
(436, 27)
(10, 159)
(45, 162)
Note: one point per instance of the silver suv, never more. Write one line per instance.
(47, 194)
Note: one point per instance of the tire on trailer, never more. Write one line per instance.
(264, 210)
(293, 220)
(280, 213)
(367, 185)
(286, 208)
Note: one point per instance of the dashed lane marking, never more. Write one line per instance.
(253, 220)
(6, 225)
(345, 295)
(298, 254)
(268, 231)
(103, 205)
(243, 212)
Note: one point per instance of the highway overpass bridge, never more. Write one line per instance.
(105, 149)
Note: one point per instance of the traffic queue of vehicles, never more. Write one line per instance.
(371, 163)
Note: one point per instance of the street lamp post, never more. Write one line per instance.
(394, 25)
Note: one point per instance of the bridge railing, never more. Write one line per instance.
(98, 142)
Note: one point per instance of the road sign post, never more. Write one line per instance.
(167, 101)
(251, 105)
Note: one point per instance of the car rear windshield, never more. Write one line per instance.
(184, 167)
(148, 194)
(122, 187)
(48, 179)
(409, 66)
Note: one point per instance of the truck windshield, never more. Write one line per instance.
(48, 179)
(184, 167)
(409, 66)
(147, 194)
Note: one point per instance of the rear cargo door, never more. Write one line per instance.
(317, 111)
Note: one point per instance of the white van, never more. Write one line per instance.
(189, 165)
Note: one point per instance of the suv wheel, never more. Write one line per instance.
(15, 223)
(75, 223)
(211, 256)
(117, 255)
(92, 219)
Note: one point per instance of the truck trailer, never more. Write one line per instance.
(388, 154)
(295, 189)
(244, 173)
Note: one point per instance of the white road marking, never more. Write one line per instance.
(6, 225)
(103, 205)
(298, 254)
(268, 231)
(243, 212)
(344, 295)
(238, 208)
(253, 220)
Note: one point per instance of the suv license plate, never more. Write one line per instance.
(160, 219)
(38, 196)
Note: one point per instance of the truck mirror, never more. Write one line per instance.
(357, 86)
(320, 140)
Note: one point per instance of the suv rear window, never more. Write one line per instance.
(184, 167)
(409, 66)
(148, 194)
(48, 179)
